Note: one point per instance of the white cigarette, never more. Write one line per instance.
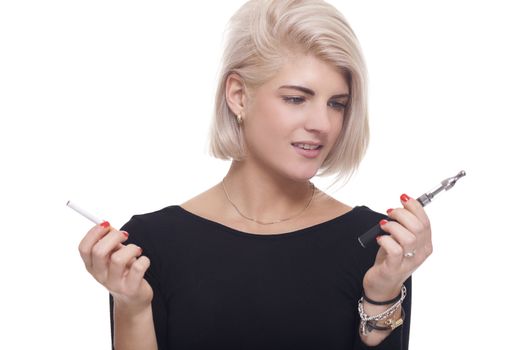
(84, 213)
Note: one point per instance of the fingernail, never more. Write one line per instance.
(388, 211)
(378, 237)
(404, 197)
(382, 222)
(105, 224)
(125, 233)
(140, 251)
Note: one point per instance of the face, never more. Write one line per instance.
(292, 121)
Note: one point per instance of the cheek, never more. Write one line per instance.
(336, 127)
(272, 117)
(336, 133)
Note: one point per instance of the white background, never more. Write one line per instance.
(108, 103)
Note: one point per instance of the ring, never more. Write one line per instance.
(410, 254)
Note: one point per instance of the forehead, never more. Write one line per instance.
(311, 72)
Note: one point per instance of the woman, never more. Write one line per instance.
(264, 260)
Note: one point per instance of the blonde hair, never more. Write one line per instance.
(259, 36)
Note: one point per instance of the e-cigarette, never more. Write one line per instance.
(424, 199)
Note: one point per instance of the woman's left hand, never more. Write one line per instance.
(402, 252)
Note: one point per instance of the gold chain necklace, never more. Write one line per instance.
(271, 222)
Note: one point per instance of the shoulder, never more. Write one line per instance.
(173, 217)
(167, 220)
(369, 215)
(155, 226)
(153, 218)
(328, 207)
(208, 204)
(360, 219)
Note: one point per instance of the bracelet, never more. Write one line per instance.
(389, 325)
(365, 319)
(388, 302)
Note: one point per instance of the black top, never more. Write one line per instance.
(219, 288)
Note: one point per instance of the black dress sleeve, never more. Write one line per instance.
(140, 235)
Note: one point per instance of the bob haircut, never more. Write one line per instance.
(260, 35)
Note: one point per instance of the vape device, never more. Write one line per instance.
(424, 199)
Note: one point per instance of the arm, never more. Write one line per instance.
(397, 339)
(133, 329)
(120, 269)
(401, 252)
(376, 337)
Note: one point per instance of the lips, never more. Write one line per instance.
(307, 150)
(307, 145)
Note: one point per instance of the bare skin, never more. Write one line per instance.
(213, 205)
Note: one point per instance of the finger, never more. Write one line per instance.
(415, 208)
(407, 219)
(405, 238)
(131, 261)
(136, 273)
(412, 223)
(121, 260)
(393, 251)
(90, 239)
(101, 252)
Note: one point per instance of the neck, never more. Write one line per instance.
(265, 197)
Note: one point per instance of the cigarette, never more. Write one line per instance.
(84, 213)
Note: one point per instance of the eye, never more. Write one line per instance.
(339, 106)
(293, 99)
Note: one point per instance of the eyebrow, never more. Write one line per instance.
(309, 91)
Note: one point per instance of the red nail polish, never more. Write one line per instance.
(404, 197)
(382, 222)
(105, 224)
(389, 210)
(125, 233)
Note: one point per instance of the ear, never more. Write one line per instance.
(235, 93)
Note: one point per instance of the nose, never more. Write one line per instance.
(318, 119)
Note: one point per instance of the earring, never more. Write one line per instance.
(239, 118)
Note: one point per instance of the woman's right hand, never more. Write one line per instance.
(120, 268)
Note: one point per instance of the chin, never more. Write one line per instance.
(302, 175)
